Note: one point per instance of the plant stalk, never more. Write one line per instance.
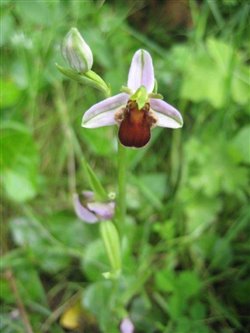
(121, 198)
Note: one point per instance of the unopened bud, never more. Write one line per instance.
(77, 52)
(127, 326)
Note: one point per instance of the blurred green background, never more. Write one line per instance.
(186, 258)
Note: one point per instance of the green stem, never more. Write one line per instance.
(121, 198)
(120, 213)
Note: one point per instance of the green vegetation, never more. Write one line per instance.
(185, 247)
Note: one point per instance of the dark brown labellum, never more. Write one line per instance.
(135, 127)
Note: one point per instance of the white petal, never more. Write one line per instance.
(141, 72)
(82, 212)
(102, 113)
(167, 115)
(102, 119)
(104, 211)
(126, 326)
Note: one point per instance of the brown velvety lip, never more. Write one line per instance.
(135, 128)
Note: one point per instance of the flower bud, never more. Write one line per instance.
(77, 52)
(127, 326)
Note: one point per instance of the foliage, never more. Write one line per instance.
(186, 247)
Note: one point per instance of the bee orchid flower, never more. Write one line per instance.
(137, 109)
(91, 211)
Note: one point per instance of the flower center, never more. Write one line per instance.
(135, 126)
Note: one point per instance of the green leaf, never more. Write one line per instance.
(189, 284)
(219, 68)
(12, 259)
(241, 85)
(111, 242)
(99, 81)
(176, 306)
(76, 234)
(165, 280)
(222, 53)
(95, 260)
(214, 169)
(202, 80)
(222, 255)
(25, 232)
(95, 184)
(198, 311)
(10, 94)
(19, 162)
(242, 143)
(165, 229)
(29, 285)
(50, 257)
(241, 291)
(99, 296)
(19, 186)
(6, 294)
(85, 79)
(144, 314)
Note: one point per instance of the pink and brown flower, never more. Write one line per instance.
(136, 110)
(91, 211)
